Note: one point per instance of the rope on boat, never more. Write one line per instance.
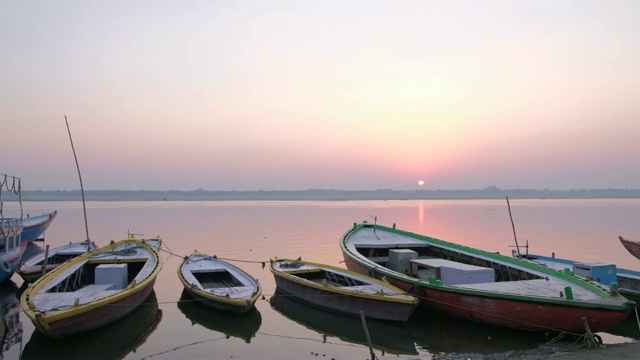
(263, 263)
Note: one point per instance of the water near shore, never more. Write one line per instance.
(249, 233)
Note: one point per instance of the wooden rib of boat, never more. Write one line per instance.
(35, 226)
(218, 284)
(341, 290)
(34, 267)
(627, 282)
(92, 290)
(480, 285)
(633, 247)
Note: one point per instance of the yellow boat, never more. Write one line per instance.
(341, 290)
(92, 290)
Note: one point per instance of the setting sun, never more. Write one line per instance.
(420, 182)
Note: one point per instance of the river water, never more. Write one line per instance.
(249, 233)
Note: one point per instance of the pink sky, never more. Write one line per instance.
(288, 95)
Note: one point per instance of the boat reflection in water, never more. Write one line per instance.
(244, 326)
(113, 341)
(10, 326)
(437, 332)
(387, 336)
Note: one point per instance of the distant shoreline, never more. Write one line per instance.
(490, 192)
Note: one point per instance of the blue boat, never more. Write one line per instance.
(33, 227)
(626, 281)
(11, 248)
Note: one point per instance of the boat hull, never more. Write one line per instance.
(35, 226)
(10, 261)
(379, 309)
(114, 341)
(633, 247)
(93, 319)
(388, 336)
(221, 303)
(493, 307)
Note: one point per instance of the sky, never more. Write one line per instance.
(295, 95)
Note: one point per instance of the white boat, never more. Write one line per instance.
(36, 266)
(218, 284)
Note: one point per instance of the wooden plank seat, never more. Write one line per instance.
(54, 300)
(235, 292)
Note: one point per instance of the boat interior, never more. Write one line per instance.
(217, 279)
(332, 278)
(426, 261)
(118, 274)
(57, 259)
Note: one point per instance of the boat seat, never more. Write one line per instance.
(64, 300)
(237, 292)
(369, 289)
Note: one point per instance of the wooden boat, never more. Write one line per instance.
(341, 290)
(11, 246)
(35, 226)
(388, 336)
(243, 326)
(92, 290)
(218, 284)
(627, 282)
(34, 267)
(114, 341)
(480, 285)
(633, 247)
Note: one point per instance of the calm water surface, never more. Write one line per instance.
(251, 232)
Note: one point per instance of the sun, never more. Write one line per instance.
(420, 182)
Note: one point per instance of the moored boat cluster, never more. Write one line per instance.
(389, 272)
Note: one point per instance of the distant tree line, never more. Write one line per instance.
(491, 192)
